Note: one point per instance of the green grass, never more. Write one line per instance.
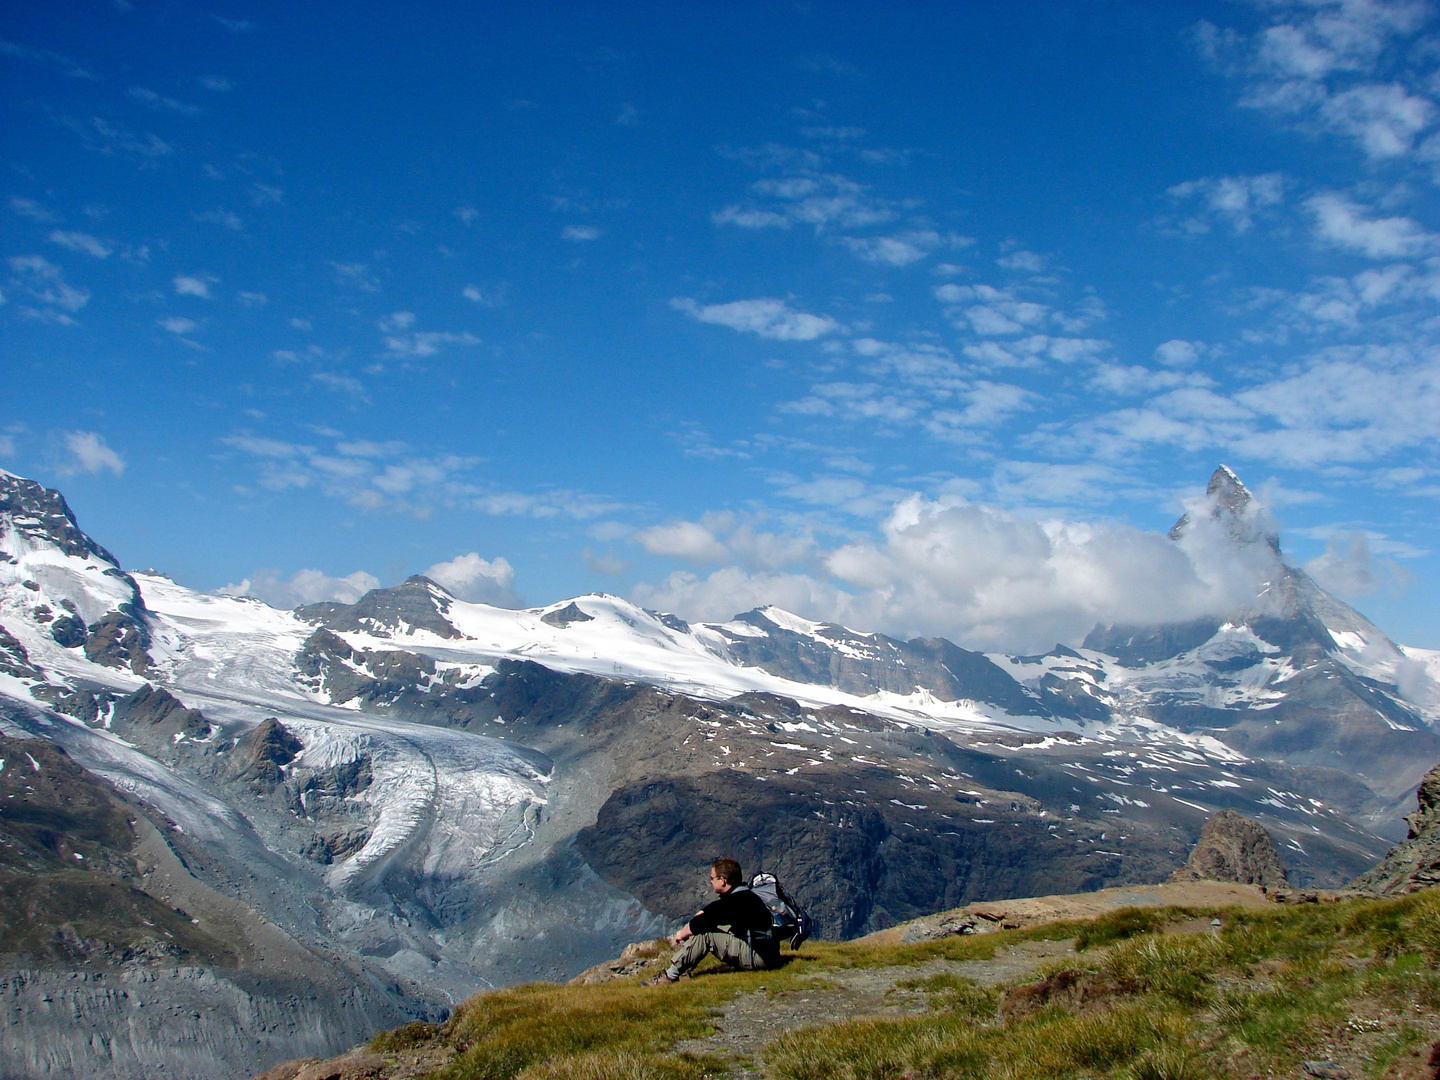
(1358, 981)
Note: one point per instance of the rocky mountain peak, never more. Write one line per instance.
(1230, 503)
(1233, 848)
(39, 516)
(417, 603)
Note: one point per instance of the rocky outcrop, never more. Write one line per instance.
(156, 719)
(1233, 848)
(261, 754)
(1415, 863)
(563, 617)
(417, 603)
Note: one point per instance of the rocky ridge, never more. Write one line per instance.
(1415, 863)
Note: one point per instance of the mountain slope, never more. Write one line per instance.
(443, 795)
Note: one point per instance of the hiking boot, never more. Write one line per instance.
(663, 979)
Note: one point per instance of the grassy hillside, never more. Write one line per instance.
(1147, 994)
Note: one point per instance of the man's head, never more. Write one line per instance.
(725, 875)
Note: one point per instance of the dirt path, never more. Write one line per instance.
(750, 1021)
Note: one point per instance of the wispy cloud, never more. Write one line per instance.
(45, 56)
(580, 232)
(41, 281)
(220, 216)
(765, 316)
(195, 284)
(29, 208)
(89, 453)
(84, 242)
(158, 101)
(106, 138)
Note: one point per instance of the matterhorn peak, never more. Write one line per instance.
(1230, 502)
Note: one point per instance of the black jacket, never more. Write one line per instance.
(737, 911)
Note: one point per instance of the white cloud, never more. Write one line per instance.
(809, 196)
(217, 84)
(178, 325)
(370, 475)
(899, 250)
(195, 285)
(304, 587)
(222, 217)
(766, 317)
(1234, 200)
(1331, 66)
(686, 540)
(78, 241)
(29, 208)
(400, 320)
(1177, 353)
(355, 275)
(989, 579)
(1345, 224)
(1025, 262)
(90, 454)
(580, 232)
(41, 280)
(485, 297)
(1347, 567)
(477, 580)
(157, 101)
(426, 342)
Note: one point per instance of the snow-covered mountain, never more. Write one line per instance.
(432, 794)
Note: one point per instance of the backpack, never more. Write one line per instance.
(789, 920)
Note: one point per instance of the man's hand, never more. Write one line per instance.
(681, 935)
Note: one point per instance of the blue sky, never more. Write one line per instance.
(927, 320)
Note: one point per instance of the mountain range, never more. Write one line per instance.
(323, 821)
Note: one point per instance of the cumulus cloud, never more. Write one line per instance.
(89, 453)
(1347, 225)
(987, 578)
(480, 581)
(1329, 65)
(720, 538)
(1177, 353)
(1232, 200)
(767, 317)
(303, 587)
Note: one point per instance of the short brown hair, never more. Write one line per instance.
(727, 870)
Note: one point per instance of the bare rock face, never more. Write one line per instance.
(1234, 848)
(1415, 863)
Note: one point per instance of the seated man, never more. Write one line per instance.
(729, 928)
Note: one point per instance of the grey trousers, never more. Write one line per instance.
(726, 947)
